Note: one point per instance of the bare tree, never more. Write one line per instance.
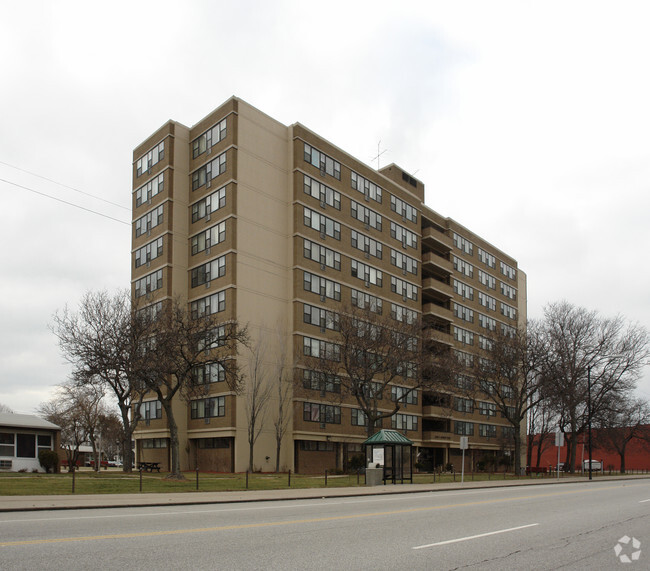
(589, 360)
(180, 341)
(622, 422)
(282, 379)
(257, 393)
(541, 419)
(103, 341)
(5, 408)
(370, 354)
(508, 374)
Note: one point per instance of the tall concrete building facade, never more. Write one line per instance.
(275, 227)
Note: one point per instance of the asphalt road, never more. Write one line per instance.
(566, 526)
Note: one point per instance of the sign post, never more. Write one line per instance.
(559, 442)
(464, 445)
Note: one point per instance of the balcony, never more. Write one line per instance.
(432, 436)
(439, 337)
(438, 289)
(436, 311)
(436, 239)
(436, 411)
(437, 264)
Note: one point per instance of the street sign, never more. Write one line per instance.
(559, 438)
(464, 442)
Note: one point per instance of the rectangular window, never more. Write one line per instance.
(487, 322)
(319, 381)
(464, 382)
(403, 395)
(321, 286)
(405, 289)
(463, 244)
(485, 343)
(403, 314)
(463, 336)
(487, 408)
(406, 237)
(153, 443)
(366, 244)
(464, 290)
(320, 317)
(208, 408)
(151, 409)
(212, 339)
(327, 165)
(7, 445)
(508, 291)
(211, 203)
(208, 373)
(365, 300)
(366, 273)
(209, 171)
(321, 223)
(404, 422)
(208, 238)
(324, 194)
(364, 214)
(463, 405)
(464, 313)
(324, 256)
(149, 221)
(26, 445)
(404, 262)
(487, 280)
(149, 159)
(148, 283)
(464, 359)
(508, 311)
(464, 428)
(487, 301)
(209, 305)
(148, 252)
(508, 271)
(464, 267)
(146, 192)
(316, 446)
(213, 443)
(364, 186)
(487, 430)
(207, 272)
(488, 259)
(323, 413)
(321, 349)
(405, 210)
(204, 142)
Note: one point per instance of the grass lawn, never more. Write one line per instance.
(114, 481)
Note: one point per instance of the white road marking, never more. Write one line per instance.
(475, 536)
(644, 501)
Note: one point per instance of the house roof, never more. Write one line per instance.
(386, 436)
(8, 419)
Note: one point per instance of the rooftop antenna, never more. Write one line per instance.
(379, 153)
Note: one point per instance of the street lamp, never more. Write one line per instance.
(589, 413)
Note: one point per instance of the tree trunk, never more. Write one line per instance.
(278, 445)
(175, 460)
(128, 428)
(517, 439)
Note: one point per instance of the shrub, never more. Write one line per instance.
(49, 460)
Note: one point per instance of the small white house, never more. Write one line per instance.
(22, 437)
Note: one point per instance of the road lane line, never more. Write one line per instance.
(475, 536)
(644, 501)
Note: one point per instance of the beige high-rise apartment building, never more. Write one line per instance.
(275, 227)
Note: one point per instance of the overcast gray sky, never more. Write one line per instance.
(528, 122)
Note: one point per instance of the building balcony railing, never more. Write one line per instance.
(433, 262)
(436, 411)
(439, 337)
(433, 436)
(437, 311)
(435, 239)
(437, 288)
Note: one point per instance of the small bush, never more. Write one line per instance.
(49, 460)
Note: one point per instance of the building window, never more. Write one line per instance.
(364, 186)
(323, 413)
(403, 395)
(366, 244)
(464, 290)
(485, 343)
(508, 311)
(366, 273)
(208, 373)
(321, 223)
(464, 313)
(488, 259)
(324, 256)
(508, 271)
(364, 214)
(146, 192)
(320, 317)
(487, 301)
(404, 209)
(208, 139)
(213, 443)
(151, 410)
(463, 244)
(487, 280)
(464, 428)
(404, 422)
(508, 291)
(487, 430)
(148, 252)
(405, 289)
(487, 322)
(404, 236)
(321, 349)
(465, 359)
(212, 339)
(316, 446)
(365, 300)
(209, 305)
(211, 203)
(208, 238)
(324, 194)
(321, 286)
(463, 405)
(403, 314)
(464, 267)
(207, 272)
(149, 221)
(208, 408)
(319, 381)
(7, 444)
(148, 283)
(507, 432)
(208, 172)
(464, 382)
(463, 336)
(327, 165)
(153, 443)
(149, 159)
(487, 408)
(404, 262)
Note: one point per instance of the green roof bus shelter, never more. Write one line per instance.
(393, 452)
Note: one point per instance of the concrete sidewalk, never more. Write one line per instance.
(79, 501)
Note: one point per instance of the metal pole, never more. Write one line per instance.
(589, 413)
(197, 478)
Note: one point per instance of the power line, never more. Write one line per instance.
(64, 201)
(65, 185)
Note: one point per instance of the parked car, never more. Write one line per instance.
(115, 463)
(596, 466)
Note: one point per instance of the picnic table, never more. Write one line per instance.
(149, 466)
